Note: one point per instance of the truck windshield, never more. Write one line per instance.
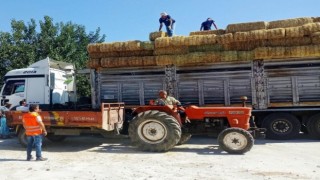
(13, 86)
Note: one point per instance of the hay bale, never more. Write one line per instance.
(270, 53)
(215, 32)
(276, 33)
(316, 19)
(205, 48)
(149, 61)
(241, 36)
(171, 50)
(93, 63)
(315, 38)
(258, 35)
(298, 41)
(162, 42)
(311, 28)
(289, 22)
(245, 55)
(165, 60)
(293, 32)
(225, 39)
(250, 26)
(200, 40)
(154, 35)
(244, 45)
(93, 48)
(229, 56)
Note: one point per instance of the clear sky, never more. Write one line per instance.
(123, 20)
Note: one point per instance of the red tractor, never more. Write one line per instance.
(160, 128)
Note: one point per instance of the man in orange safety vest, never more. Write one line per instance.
(34, 127)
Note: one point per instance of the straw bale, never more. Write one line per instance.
(178, 41)
(316, 19)
(149, 61)
(245, 55)
(229, 56)
(244, 45)
(293, 32)
(121, 54)
(154, 35)
(315, 38)
(93, 63)
(225, 39)
(242, 27)
(171, 50)
(200, 40)
(311, 28)
(270, 53)
(298, 41)
(205, 48)
(162, 42)
(165, 60)
(304, 51)
(216, 32)
(289, 22)
(91, 48)
(258, 35)
(276, 33)
(241, 36)
(147, 45)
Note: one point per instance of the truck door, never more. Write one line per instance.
(13, 92)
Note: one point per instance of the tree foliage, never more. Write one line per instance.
(59, 41)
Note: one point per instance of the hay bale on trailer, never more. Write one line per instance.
(243, 27)
(154, 35)
(289, 22)
(215, 32)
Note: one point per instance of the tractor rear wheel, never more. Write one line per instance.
(235, 140)
(185, 137)
(154, 131)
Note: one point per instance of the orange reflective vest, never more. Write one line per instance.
(31, 124)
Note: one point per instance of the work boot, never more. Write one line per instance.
(41, 159)
(29, 158)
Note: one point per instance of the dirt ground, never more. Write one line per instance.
(95, 157)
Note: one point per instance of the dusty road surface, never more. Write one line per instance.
(94, 157)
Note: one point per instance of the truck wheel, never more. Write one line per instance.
(22, 137)
(185, 137)
(281, 126)
(55, 138)
(313, 126)
(154, 131)
(235, 140)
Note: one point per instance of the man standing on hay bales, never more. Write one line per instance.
(206, 25)
(168, 21)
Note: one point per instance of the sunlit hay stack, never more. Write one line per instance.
(315, 38)
(269, 53)
(276, 33)
(216, 32)
(172, 45)
(241, 36)
(289, 22)
(294, 32)
(257, 35)
(316, 19)
(311, 28)
(245, 45)
(154, 35)
(245, 55)
(243, 27)
(225, 39)
(112, 62)
(298, 41)
(94, 63)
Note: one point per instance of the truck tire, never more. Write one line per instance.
(154, 131)
(235, 140)
(56, 138)
(313, 126)
(281, 126)
(22, 137)
(185, 137)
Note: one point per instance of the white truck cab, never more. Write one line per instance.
(45, 82)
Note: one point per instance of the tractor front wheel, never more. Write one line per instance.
(154, 131)
(235, 140)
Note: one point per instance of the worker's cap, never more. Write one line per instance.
(163, 14)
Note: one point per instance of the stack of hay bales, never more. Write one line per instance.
(290, 38)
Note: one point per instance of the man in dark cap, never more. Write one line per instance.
(206, 25)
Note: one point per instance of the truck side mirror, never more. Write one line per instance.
(52, 80)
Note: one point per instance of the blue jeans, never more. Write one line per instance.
(170, 31)
(4, 130)
(37, 142)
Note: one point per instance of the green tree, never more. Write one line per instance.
(60, 41)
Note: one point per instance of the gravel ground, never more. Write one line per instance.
(95, 157)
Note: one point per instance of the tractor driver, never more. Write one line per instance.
(164, 100)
